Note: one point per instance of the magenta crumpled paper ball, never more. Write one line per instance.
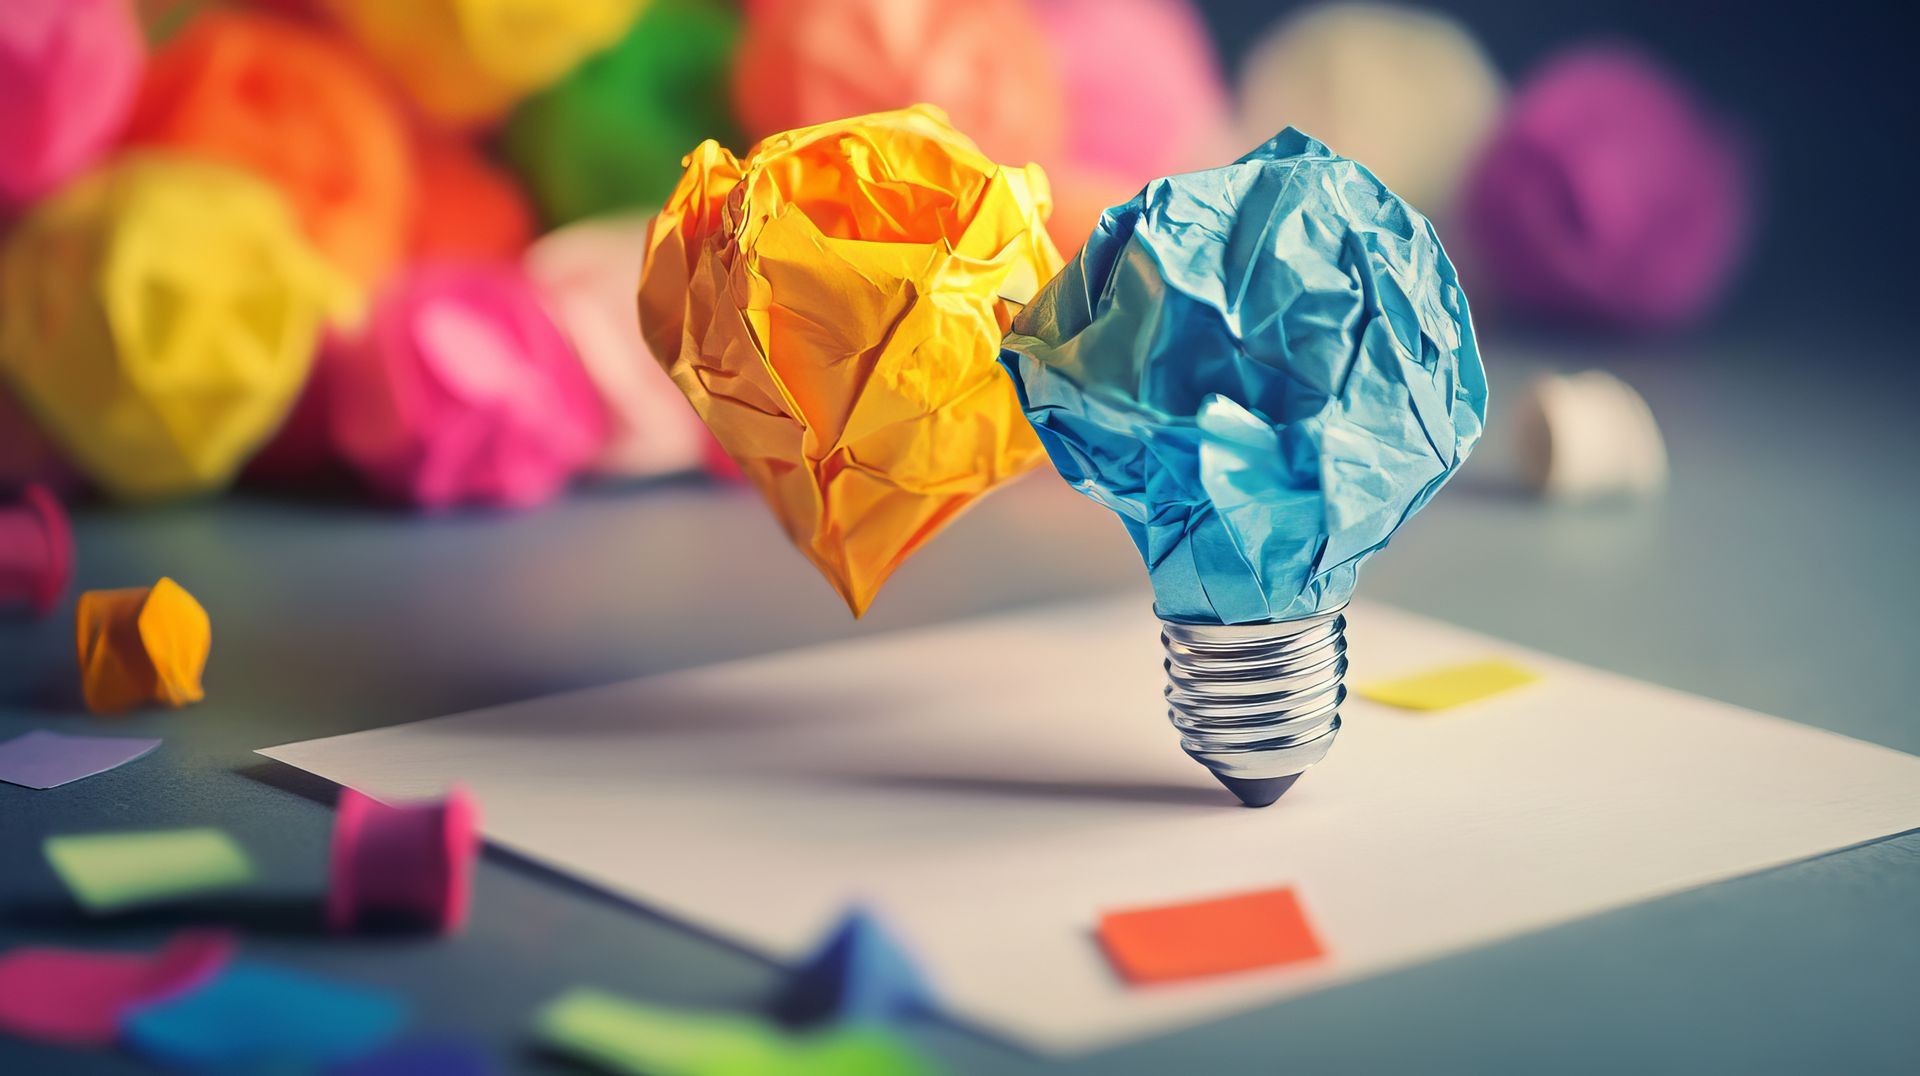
(459, 389)
(1145, 95)
(68, 72)
(1609, 195)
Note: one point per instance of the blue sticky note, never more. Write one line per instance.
(422, 1057)
(255, 1016)
(860, 974)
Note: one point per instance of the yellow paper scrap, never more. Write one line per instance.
(1449, 686)
(832, 304)
(109, 871)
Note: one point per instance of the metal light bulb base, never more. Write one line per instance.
(1257, 703)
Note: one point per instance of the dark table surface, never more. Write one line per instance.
(1778, 573)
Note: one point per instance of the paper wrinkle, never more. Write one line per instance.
(832, 305)
(1264, 369)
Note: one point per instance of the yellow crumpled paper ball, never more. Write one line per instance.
(467, 61)
(832, 304)
(161, 315)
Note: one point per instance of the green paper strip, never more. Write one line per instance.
(624, 1036)
(109, 871)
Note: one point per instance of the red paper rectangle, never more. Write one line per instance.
(1263, 929)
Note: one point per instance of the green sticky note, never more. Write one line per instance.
(628, 1037)
(109, 871)
(1449, 685)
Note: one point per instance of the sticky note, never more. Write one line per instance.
(1449, 686)
(42, 759)
(625, 1036)
(109, 871)
(1264, 929)
(257, 1017)
(78, 997)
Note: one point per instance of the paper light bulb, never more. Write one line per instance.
(1264, 369)
(832, 304)
(612, 134)
(465, 62)
(1609, 195)
(587, 273)
(68, 71)
(986, 63)
(162, 314)
(460, 390)
(1144, 92)
(298, 108)
(1408, 91)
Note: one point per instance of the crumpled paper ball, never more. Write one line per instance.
(612, 134)
(1145, 96)
(459, 389)
(469, 207)
(1264, 369)
(298, 108)
(162, 313)
(1609, 195)
(987, 63)
(141, 645)
(833, 305)
(465, 62)
(1408, 93)
(587, 273)
(28, 455)
(68, 71)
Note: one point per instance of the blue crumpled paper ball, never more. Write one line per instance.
(1264, 369)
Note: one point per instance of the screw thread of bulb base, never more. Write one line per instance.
(1257, 703)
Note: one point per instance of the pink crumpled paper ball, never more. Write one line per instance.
(1145, 95)
(459, 389)
(986, 63)
(587, 273)
(1609, 195)
(68, 72)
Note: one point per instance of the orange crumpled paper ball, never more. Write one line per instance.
(987, 63)
(141, 645)
(832, 304)
(469, 206)
(298, 108)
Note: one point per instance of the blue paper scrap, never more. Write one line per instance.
(257, 1017)
(860, 974)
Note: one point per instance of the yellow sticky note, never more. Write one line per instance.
(109, 871)
(1450, 685)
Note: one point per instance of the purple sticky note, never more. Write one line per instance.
(43, 759)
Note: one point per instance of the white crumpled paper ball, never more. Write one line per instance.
(1408, 93)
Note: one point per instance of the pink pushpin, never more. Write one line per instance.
(36, 551)
(406, 863)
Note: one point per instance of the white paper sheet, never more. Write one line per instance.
(992, 786)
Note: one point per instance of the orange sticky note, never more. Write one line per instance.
(1450, 685)
(141, 645)
(1264, 929)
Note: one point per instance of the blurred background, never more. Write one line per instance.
(1610, 177)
